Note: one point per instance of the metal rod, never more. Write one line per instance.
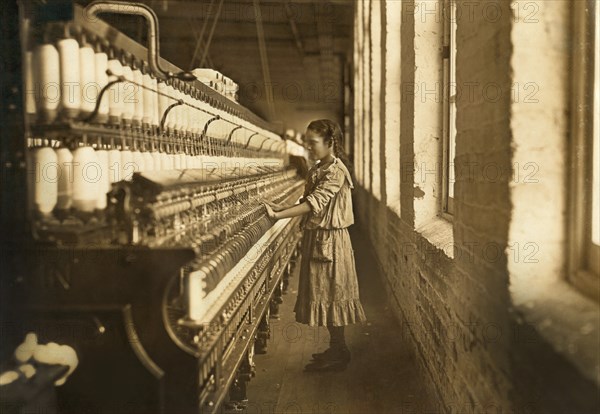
(262, 48)
(294, 28)
(210, 35)
(200, 37)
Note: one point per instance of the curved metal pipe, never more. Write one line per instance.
(282, 143)
(232, 131)
(101, 95)
(214, 118)
(138, 9)
(163, 119)
(249, 139)
(272, 143)
(263, 143)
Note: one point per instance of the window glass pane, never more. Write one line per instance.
(596, 136)
(393, 12)
(366, 81)
(452, 104)
(376, 97)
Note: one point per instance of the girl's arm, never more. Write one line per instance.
(296, 210)
(275, 206)
(280, 206)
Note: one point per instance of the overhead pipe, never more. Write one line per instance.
(138, 9)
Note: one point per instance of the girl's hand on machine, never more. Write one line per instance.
(270, 211)
(274, 206)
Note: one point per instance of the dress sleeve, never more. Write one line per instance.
(324, 191)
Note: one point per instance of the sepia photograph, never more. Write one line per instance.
(300, 207)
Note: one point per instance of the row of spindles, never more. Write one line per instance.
(63, 80)
(79, 177)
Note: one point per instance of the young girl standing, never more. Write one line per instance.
(328, 292)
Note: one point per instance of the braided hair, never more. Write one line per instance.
(332, 135)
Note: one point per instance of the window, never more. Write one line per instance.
(375, 98)
(449, 141)
(393, 12)
(594, 238)
(584, 243)
(358, 94)
(367, 97)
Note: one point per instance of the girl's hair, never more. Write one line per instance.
(332, 133)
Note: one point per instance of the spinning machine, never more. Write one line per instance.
(140, 240)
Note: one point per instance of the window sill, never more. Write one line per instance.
(567, 319)
(440, 233)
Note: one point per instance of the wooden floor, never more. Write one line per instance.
(382, 377)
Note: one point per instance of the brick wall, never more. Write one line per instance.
(448, 282)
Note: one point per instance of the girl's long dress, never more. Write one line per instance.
(328, 291)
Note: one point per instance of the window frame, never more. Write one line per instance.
(376, 91)
(392, 172)
(582, 253)
(449, 112)
(367, 95)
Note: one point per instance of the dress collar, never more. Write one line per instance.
(335, 160)
(342, 166)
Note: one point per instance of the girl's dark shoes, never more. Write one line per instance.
(330, 360)
(321, 355)
(332, 354)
